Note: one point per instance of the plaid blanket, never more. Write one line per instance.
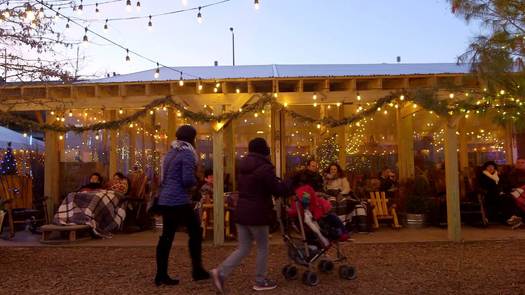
(102, 210)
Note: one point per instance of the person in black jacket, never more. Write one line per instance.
(500, 206)
(257, 183)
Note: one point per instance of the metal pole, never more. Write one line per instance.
(233, 45)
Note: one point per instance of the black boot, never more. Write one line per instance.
(166, 280)
(200, 274)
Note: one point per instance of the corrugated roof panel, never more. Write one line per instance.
(287, 71)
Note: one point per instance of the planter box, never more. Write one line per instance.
(416, 220)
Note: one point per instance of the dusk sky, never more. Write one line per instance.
(280, 32)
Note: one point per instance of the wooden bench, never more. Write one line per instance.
(71, 231)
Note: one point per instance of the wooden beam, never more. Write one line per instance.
(452, 180)
(405, 145)
(218, 184)
(113, 140)
(341, 139)
(229, 139)
(51, 168)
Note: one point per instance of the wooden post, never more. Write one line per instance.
(452, 180)
(282, 143)
(229, 138)
(278, 140)
(341, 139)
(113, 156)
(405, 144)
(132, 148)
(218, 185)
(463, 145)
(51, 168)
(172, 127)
(511, 152)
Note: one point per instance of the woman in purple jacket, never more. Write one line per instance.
(175, 205)
(257, 184)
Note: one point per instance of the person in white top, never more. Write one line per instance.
(335, 180)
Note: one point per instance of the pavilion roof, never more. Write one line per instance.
(287, 71)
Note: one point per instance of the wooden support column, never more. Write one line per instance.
(405, 144)
(229, 139)
(172, 127)
(113, 143)
(511, 151)
(463, 145)
(218, 183)
(452, 180)
(132, 147)
(277, 138)
(282, 144)
(341, 139)
(51, 168)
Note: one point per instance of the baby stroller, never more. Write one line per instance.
(305, 249)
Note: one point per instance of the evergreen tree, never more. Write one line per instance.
(8, 165)
(328, 152)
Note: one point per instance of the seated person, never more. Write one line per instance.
(335, 181)
(119, 183)
(95, 183)
(317, 209)
(206, 189)
(500, 206)
(387, 179)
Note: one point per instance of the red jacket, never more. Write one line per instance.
(317, 205)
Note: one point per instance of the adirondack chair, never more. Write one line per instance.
(381, 210)
(16, 192)
(138, 198)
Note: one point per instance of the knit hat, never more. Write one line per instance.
(186, 133)
(489, 163)
(258, 145)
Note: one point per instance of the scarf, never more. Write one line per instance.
(494, 176)
(180, 145)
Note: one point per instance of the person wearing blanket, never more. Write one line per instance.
(175, 205)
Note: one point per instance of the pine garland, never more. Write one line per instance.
(426, 98)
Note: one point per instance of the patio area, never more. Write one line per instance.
(383, 235)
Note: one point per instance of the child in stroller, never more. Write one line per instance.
(320, 230)
(317, 216)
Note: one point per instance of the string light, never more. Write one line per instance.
(359, 97)
(128, 5)
(451, 95)
(200, 85)
(150, 24)
(256, 4)
(85, 39)
(80, 7)
(67, 24)
(157, 72)
(181, 81)
(402, 97)
(106, 26)
(70, 114)
(127, 55)
(138, 6)
(238, 90)
(120, 111)
(97, 11)
(314, 97)
(199, 16)
(217, 85)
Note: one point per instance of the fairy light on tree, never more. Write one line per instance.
(8, 165)
(328, 152)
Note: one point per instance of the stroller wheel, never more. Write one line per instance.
(326, 266)
(310, 278)
(347, 272)
(290, 272)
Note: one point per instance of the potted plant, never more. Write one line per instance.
(417, 202)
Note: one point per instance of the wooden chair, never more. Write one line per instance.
(138, 198)
(16, 192)
(381, 210)
(207, 220)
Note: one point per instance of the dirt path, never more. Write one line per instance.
(417, 268)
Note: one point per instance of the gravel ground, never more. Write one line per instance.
(401, 268)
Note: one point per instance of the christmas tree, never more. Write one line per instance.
(8, 165)
(328, 152)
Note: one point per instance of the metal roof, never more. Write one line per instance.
(287, 71)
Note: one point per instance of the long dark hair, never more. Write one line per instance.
(339, 169)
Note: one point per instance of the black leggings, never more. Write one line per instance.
(172, 218)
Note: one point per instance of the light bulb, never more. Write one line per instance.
(106, 26)
(200, 87)
(358, 97)
(127, 55)
(120, 111)
(181, 82)
(217, 84)
(138, 6)
(256, 4)
(238, 90)
(70, 113)
(150, 24)
(157, 73)
(128, 5)
(97, 11)
(199, 16)
(85, 39)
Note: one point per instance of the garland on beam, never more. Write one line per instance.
(427, 99)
